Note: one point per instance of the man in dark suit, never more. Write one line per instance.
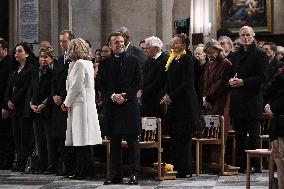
(250, 70)
(131, 49)
(270, 49)
(154, 78)
(59, 117)
(119, 78)
(6, 142)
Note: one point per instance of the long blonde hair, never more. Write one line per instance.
(79, 49)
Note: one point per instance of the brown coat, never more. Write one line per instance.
(215, 85)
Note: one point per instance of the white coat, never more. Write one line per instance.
(82, 122)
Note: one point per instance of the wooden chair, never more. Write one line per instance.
(150, 138)
(259, 153)
(212, 134)
(264, 137)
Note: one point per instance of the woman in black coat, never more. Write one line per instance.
(41, 103)
(15, 98)
(182, 104)
(274, 94)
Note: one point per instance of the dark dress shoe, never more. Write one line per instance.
(183, 175)
(113, 181)
(133, 180)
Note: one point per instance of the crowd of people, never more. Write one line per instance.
(58, 108)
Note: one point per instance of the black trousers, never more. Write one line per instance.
(42, 131)
(23, 138)
(242, 128)
(182, 153)
(134, 155)
(6, 144)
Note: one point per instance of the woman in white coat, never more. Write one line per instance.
(82, 123)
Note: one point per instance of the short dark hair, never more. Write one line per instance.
(70, 34)
(143, 41)
(4, 44)
(271, 45)
(115, 34)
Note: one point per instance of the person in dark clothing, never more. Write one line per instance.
(15, 98)
(182, 105)
(59, 117)
(246, 105)
(154, 77)
(120, 78)
(6, 141)
(274, 109)
(130, 48)
(41, 104)
(270, 49)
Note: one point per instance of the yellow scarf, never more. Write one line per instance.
(173, 55)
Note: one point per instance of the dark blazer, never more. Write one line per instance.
(59, 118)
(251, 66)
(133, 50)
(182, 114)
(5, 69)
(120, 75)
(272, 66)
(154, 78)
(40, 90)
(274, 94)
(17, 88)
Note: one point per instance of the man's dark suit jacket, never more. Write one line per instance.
(154, 78)
(5, 69)
(133, 50)
(251, 66)
(120, 75)
(59, 118)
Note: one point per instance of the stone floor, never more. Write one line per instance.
(12, 180)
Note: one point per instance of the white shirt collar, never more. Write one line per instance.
(126, 47)
(157, 55)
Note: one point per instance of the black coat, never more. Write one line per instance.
(120, 75)
(59, 118)
(154, 77)
(17, 88)
(251, 66)
(274, 94)
(133, 50)
(182, 114)
(40, 90)
(5, 69)
(272, 66)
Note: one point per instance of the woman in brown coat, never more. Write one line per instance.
(214, 82)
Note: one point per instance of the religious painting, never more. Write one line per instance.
(234, 14)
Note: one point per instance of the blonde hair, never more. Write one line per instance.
(79, 49)
(215, 45)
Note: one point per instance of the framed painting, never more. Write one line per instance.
(234, 14)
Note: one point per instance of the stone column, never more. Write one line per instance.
(13, 23)
(164, 24)
(85, 20)
(54, 25)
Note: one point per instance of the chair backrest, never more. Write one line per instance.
(151, 126)
(213, 127)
